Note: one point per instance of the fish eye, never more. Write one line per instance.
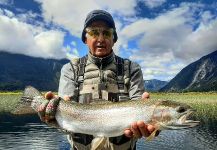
(181, 109)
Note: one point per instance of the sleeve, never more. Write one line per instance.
(136, 85)
(67, 84)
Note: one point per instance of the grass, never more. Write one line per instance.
(8, 101)
(204, 103)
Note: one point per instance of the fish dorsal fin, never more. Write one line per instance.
(100, 101)
(31, 92)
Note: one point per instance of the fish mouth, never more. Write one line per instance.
(183, 122)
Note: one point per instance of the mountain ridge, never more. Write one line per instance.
(18, 71)
(154, 85)
(200, 75)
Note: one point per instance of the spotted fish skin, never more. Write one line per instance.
(110, 119)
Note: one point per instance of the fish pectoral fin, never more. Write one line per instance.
(152, 135)
(99, 142)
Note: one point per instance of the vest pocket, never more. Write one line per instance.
(123, 97)
(85, 98)
(115, 97)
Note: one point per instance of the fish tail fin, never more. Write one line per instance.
(98, 143)
(23, 106)
(30, 92)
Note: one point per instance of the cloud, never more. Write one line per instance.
(23, 38)
(6, 12)
(5, 2)
(153, 3)
(175, 34)
(72, 18)
(72, 51)
(162, 45)
(50, 43)
(163, 66)
(60, 14)
(64, 14)
(199, 42)
(172, 38)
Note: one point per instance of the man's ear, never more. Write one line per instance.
(85, 38)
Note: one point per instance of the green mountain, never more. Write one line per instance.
(154, 85)
(18, 71)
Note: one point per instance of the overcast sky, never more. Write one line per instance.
(163, 36)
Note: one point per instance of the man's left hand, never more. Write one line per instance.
(140, 129)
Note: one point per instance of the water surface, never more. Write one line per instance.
(27, 132)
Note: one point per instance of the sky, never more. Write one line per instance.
(162, 36)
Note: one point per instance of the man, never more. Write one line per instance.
(103, 75)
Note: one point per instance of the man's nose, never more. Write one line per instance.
(101, 37)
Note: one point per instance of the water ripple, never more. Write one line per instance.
(20, 135)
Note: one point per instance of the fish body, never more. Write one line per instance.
(101, 120)
(107, 119)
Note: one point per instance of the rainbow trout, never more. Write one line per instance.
(108, 119)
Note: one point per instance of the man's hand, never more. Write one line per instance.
(139, 129)
(47, 110)
(49, 95)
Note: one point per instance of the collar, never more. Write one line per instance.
(101, 61)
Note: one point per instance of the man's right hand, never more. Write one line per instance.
(47, 110)
(49, 95)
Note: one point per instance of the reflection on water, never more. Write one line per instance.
(22, 133)
(198, 138)
(29, 134)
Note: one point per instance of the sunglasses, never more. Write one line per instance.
(95, 32)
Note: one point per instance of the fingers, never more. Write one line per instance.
(128, 133)
(135, 130)
(41, 110)
(49, 95)
(151, 128)
(47, 109)
(51, 109)
(140, 129)
(145, 95)
(143, 129)
(66, 98)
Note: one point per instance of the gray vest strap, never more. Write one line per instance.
(120, 71)
(81, 69)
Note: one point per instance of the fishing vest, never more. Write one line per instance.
(107, 81)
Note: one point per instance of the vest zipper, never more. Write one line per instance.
(101, 72)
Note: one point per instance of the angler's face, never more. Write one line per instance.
(99, 39)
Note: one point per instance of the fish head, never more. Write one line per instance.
(173, 115)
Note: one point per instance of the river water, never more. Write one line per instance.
(28, 133)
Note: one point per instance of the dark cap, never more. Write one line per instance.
(99, 15)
